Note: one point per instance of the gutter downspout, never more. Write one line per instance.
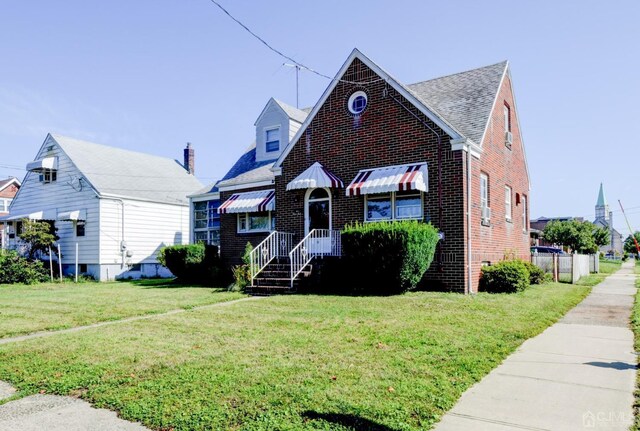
(469, 272)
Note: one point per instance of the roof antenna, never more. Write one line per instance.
(297, 87)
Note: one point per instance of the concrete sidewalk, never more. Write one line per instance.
(578, 374)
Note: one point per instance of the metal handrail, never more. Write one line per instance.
(318, 242)
(277, 244)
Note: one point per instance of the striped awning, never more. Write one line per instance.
(314, 177)
(390, 179)
(250, 202)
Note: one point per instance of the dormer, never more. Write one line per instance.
(275, 126)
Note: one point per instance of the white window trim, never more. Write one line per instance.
(506, 110)
(508, 210)
(393, 207)
(268, 129)
(206, 230)
(247, 230)
(524, 213)
(484, 200)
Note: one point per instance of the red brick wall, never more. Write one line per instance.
(385, 134)
(232, 243)
(503, 166)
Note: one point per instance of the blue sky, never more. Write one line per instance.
(152, 75)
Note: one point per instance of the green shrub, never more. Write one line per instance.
(508, 276)
(192, 263)
(536, 274)
(388, 258)
(242, 273)
(16, 269)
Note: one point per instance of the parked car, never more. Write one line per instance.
(544, 249)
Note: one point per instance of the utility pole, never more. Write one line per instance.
(630, 230)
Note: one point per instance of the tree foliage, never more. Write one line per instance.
(583, 237)
(38, 236)
(629, 245)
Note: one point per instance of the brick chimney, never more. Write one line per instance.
(189, 159)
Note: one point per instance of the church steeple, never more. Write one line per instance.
(602, 208)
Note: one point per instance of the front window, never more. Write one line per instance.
(255, 222)
(206, 222)
(393, 206)
(272, 140)
(507, 202)
(48, 176)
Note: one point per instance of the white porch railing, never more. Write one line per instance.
(277, 244)
(319, 242)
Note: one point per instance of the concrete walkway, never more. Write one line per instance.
(125, 320)
(578, 374)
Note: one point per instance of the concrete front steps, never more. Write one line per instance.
(275, 279)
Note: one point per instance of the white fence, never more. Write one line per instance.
(566, 267)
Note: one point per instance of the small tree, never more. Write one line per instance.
(583, 237)
(630, 245)
(38, 237)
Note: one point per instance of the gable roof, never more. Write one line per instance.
(247, 170)
(124, 173)
(296, 114)
(465, 99)
(425, 106)
(6, 183)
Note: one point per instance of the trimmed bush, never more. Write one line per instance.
(16, 269)
(388, 258)
(508, 276)
(192, 263)
(536, 274)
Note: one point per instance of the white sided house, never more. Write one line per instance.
(119, 207)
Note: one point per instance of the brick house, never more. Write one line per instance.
(446, 151)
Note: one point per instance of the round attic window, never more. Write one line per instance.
(357, 102)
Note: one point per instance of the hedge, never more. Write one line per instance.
(508, 276)
(388, 258)
(17, 269)
(193, 263)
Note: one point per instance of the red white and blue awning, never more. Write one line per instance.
(390, 179)
(249, 202)
(315, 176)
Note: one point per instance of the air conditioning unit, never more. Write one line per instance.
(508, 138)
(486, 214)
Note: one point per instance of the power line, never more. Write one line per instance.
(286, 57)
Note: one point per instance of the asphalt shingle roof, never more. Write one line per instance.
(247, 170)
(296, 114)
(116, 171)
(463, 99)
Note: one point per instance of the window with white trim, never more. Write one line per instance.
(484, 191)
(507, 203)
(80, 227)
(524, 213)
(48, 176)
(507, 117)
(4, 205)
(272, 140)
(394, 206)
(256, 222)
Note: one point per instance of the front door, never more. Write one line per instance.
(318, 216)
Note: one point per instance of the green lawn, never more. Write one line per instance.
(635, 325)
(301, 362)
(25, 309)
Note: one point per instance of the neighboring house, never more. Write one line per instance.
(538, 225)
(604, 218)
(119, 206)
(8, 189)
(446, 151)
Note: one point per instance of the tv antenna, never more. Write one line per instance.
(297, 67)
